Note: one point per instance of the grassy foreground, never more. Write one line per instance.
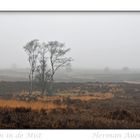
(93, 105)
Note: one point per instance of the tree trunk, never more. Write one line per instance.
(29, 83)
(43, 88)
(43, 76)
(51, 87)
(32, 83)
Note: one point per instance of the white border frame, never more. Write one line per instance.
(69, 5)
(64, 5)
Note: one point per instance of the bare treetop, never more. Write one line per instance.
(57, 53)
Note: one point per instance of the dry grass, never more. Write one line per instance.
(47, 102)
(86, 97)
(99, 96)
(35, 105)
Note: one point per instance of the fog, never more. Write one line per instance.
(97, 39)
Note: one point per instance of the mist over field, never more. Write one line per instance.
(77, 75)
(105, 46)
(97, 39)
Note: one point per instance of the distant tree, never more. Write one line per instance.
(125, 69)
(57, 60)
(106, 69)
(14, 66)
(32, 52)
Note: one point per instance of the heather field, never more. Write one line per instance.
(74, 105)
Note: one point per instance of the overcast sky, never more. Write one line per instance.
(96, 39)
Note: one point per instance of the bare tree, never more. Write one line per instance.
(31, 50)
(42, 75)
(57, 60)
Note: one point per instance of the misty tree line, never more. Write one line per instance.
(44, 60)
